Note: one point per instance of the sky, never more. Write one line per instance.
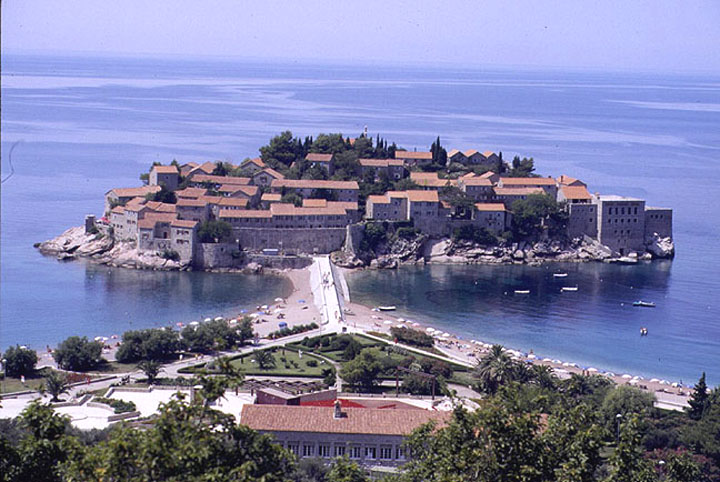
(653, 35)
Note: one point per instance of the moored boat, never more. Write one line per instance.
(644, 304)
(387, 308)
(560, 275)
(569, 288)
(522, 292)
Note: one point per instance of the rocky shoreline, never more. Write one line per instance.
(75, 243)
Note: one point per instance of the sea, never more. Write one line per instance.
(74, 127)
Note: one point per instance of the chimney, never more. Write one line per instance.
(337, 412)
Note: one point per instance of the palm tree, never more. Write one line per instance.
(56, 384)
(150, 368)
(495, 369)
(544, 376)
(265, 359)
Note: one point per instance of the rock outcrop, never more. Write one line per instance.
(660, 248)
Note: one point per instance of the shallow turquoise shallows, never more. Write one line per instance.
(82, 126)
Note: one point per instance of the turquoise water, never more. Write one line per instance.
(87, 125)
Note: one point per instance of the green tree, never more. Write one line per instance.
(282, 150)
(329, 144)
(700, 400)
(19, 361)
(495, 369)
(187, 442)
(530, 215)
(56, 384)
(405, 184)
(625, 400)
(292, 198)
(362, 371)
(164, 195)
(439, 154)
(265, 359)
(151, 344)
(150, 368)
(215, 231)
(522, 167)
(78, 354)
(343, 470)
(627, 462)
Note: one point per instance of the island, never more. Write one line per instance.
(367, 203)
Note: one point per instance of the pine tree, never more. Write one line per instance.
(700, 399)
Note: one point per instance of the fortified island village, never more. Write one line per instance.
(366, 204)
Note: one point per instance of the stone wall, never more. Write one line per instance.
(217, 255)
(300, 240)
(582, 220)
(658, 220)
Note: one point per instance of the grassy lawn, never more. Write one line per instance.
(293, 365)
(33, 382)
(114, 367)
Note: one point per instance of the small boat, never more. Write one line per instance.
(569, 288)
(387, 308)
(626, 260)
(643, 331)
(522, 292)
(560, 275)
(644, 304)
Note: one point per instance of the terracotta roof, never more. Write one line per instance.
(171, 169)
(212, 199)
(314, 203)
(469, 175)
(233, 201)
(189, 164)
(191, 192)
(118, 210)
(257, 161)
(518, 191)
(378, 199)
(314, 184)
(188, 202)
(270, 196)
(246, 190)
(575, 192)
(221, 179)
(570, 181)
(183, 223)
(413, 155)
(271, 172)
(490, 207)
(206, 167)
(380, 162)
(487, 154)
(141, 191)
(243, 213)
(289, 418)
(422, 196)
(431, 179)
(317, 157)
(477, 181)
(287, 209)
(527, 181)
(151, 218)
(346, 205)
(160, 207)
(488, 174)
(470, 152)
(453, 152)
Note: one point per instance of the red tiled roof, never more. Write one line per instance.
(488, 174)
(287, 209)
(249, 191)
(221, 179)
(487, 154)
(188, 202)
(160, 207)
(183, 223)
(470, 152)
(243, 213)
(141, 191)
(171, 169)
(206, 167)
(191, 192)
(269, 196)
(317, 157)
(431, 179)
(527, 181)
(422, 196)
(490, 207)
(257, 161)
(233, 201)
(477, 181)
(118, 210)
(289, 418)
(575, 192)
(378, 199)
(380, 162)
(212, 199)
(271, 172)
(413, 155)
(570, 181)
(314, 184)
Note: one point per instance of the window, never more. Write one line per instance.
(385, 452)
(294, 447)
(370, 452)
(308, 450)
(400, 453)
(324, 450)
(355, 452)
(339, 450)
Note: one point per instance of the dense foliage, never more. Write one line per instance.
(411, 337)
(293, 330)
(78, 354)
(150, 344)
(214, 231)
(216, 335)
(19, 361)
(536, 213)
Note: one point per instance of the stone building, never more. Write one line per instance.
(478, 188)
(167, 176)
(121, 195)
(413, 158)
(394, 169)
(265, 177)
(192, 209)
(658, 221)
(253, 165)
(548, 184)
(323, 160)
(431, 181)
(509, 195)
(391, 206)
(342, 190)
(491, 216)
(457, 157)
(370, 437)
(210, 181)
(621, 223)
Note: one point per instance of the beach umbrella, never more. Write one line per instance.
(547, 360)
(401, 320)
(218, 318)
(387, 322)
(400, 326)
(566, 364)
(278, 300)
(531, 356)
(278, 310)
(446, 334)
(633, 382)
(664, 382)
(207, 319)
(233, 321)
(194, 323)
(626, 376)
(609, 374)
(97, 338)
(416, 324)
(264, 307)
(559, 362)
(591, 369)
(429, 329)
(654, 380)
(675, 384)
(179, 323)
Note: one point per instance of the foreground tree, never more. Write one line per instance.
(265, 359)
(150, 368)
(496, 369)
(362, 371)
(185, 442)
(56, 384)
(78, 354)
(19, 361)
(700, 400)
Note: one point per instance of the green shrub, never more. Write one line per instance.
(311, 363)
(19, 361)
(407, 232)
(120, 406)
(412, 337)
(170, 254)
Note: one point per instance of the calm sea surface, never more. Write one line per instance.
(87, 125)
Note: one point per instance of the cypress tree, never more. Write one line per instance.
(700, 400)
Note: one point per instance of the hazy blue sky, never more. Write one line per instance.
(622, 34)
